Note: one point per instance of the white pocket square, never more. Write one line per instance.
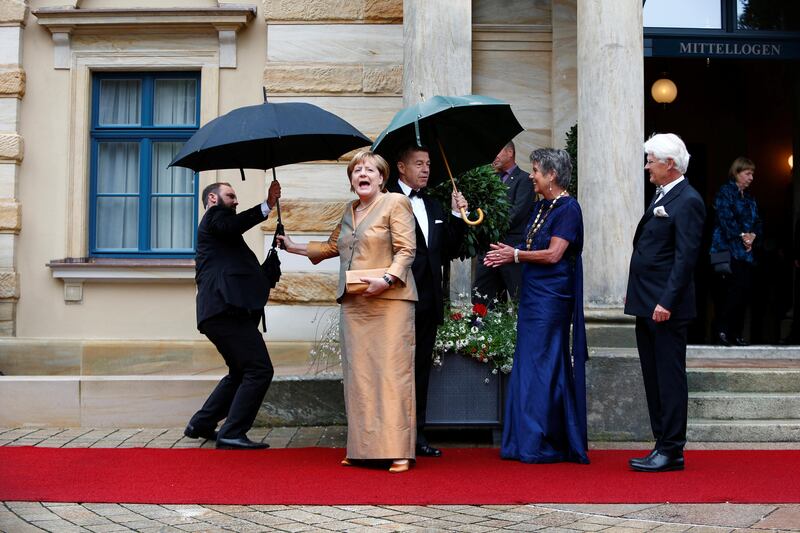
(660, 212)
(437, 221)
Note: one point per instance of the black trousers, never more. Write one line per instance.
(493, 282)
(426, 326)
(733, 294)
(662, 354)
(238, 395)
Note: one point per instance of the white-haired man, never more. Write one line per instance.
(661, 296)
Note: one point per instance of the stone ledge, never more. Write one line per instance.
(11, 147)
(234, 16)
(10, 216)
(308, 216)
(12, 83)
(13, 11)
(106, 357)
(157, 401)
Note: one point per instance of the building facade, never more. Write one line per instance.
(97, 235)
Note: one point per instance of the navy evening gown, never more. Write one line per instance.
(545, 409)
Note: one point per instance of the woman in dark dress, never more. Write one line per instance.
(545, 411)
(736, 227)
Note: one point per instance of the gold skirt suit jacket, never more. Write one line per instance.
(377, 337)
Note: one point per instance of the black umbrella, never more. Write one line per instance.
(462, 132)
(269, 135)
(266, 136)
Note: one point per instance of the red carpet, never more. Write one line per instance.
(313, 476)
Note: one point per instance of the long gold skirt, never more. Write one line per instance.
(377, 345)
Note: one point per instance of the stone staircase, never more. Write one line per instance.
(749, 394)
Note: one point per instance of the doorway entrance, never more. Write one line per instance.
(726, 108)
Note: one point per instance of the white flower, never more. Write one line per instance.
(494, 371)
(448, 344)
(474, 329)
(486, 381)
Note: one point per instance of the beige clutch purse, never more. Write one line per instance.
(352, 278)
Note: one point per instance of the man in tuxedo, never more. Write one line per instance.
(231, 294)
(438, 236)
(661, 296)
(491, 283)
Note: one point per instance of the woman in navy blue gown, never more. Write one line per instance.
(545, 411)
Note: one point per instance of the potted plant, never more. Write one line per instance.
(474, 349)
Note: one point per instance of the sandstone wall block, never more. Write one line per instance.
(12, 83)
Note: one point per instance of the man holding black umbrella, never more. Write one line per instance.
(231, 294)
(438, 236)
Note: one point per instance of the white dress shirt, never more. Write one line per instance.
(668, 187)
(418, 206)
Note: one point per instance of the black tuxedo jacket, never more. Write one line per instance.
(522, 199)
(665, 250)
(227, 272)
(445, 233)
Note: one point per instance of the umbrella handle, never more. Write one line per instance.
(463, 211)
(469, 222)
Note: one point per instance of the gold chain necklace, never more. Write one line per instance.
(364, 207)
(537, 224)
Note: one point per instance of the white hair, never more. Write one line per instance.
(665, 146)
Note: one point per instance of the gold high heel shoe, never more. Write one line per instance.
(346, 462)
(401, 465)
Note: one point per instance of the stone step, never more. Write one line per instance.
(744, 405)
(705, 430)
(157, 400)
(785, 380)
(761, 351)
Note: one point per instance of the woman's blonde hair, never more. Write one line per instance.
(739, 164)
(380, 163)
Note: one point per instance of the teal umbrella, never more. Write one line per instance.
(461, 132)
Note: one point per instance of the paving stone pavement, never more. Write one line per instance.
(22, 517)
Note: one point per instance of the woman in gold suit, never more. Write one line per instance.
(376, 242)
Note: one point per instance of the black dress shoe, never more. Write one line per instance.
(723, 339)
(194, 433)
(428, 451)
(639, 460)
(242, 443)
(739, 341)
(659, 462)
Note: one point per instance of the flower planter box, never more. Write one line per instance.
(459, 395)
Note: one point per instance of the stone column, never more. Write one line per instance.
(12, 89)
(437, 52)
(610, 157)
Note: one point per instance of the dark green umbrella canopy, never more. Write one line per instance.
(471, 129)
(269, 135)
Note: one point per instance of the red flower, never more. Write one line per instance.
(479, 309)
(456, 316)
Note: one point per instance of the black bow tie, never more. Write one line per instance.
(414, 193)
